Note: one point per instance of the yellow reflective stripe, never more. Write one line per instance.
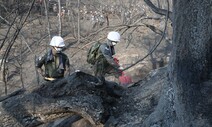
(50, 79)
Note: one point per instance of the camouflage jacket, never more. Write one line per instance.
(55, 65)
(106, 53)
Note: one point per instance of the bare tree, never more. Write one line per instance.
(47, 19)
(59, 19)
(11, 41)
(158, 10)
(78, 21)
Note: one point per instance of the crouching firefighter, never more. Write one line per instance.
(56, 64)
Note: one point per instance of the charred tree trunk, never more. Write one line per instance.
(186, 99)
(191, 65)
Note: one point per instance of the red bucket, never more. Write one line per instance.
(125, 80)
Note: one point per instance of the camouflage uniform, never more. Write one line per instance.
(55, 65)
(105, 63)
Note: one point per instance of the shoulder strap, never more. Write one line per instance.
(49, 56)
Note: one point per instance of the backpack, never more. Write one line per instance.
(92, 53)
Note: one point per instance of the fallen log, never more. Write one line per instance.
(75, 94)
(78, 98)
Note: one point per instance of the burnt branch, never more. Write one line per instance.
(159, 10)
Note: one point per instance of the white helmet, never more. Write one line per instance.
(114, 36)
(57, 41)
